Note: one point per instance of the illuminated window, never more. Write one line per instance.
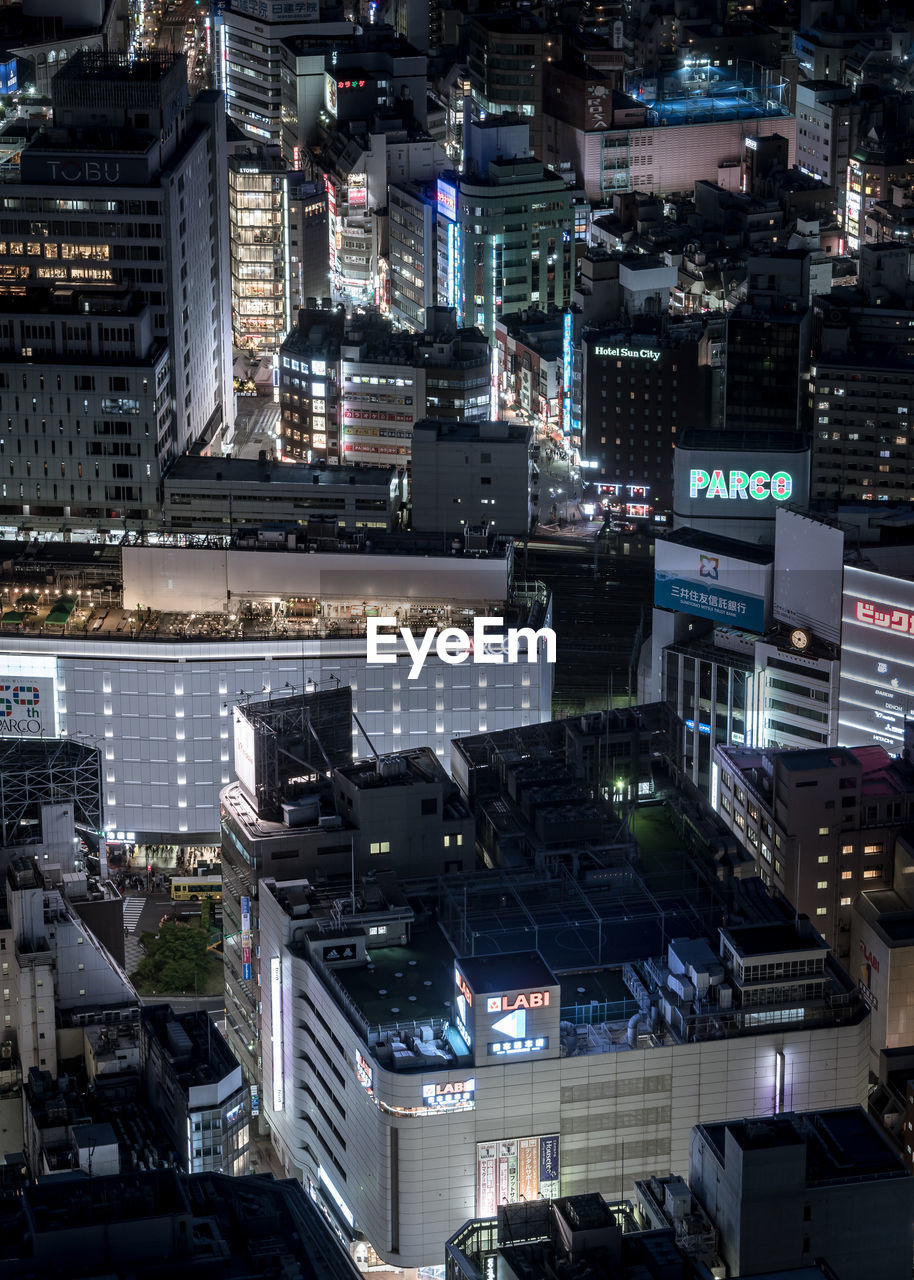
(823, 857)
(822, 884)
(380, 846)
(847, 848)
(847, 875)
(821, 911)
(823, 831)
(845, 902)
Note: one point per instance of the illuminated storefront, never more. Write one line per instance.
(258, 221)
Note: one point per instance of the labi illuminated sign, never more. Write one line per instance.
(741, 484)
(526, 1000)
(628, 353)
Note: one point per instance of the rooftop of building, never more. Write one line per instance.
(893, 561)
(452, 431)
(95, 65)
(197, 1052)
(238, 1227)
(714, 542)
(736, 440)
(772, 937)
(881, 775)
(245, 473)
(532, 1239)
(604, 942)
(842, 1145)
(372, 38)
(419, 766)
(255, 160)
(20, 29)
(889, 914)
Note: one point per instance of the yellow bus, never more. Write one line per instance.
(196, 888)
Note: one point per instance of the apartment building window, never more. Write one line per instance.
(822, 884)
(380, 846)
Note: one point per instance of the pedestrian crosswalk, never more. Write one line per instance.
(133, 909)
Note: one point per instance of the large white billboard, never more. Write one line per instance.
(245, 753)
(808, 574)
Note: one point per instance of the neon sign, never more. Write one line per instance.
(447, 200)
(463, 987)
(740, 484)
(886, 619)
(452, 1095)
(628, 353)
(567, 333)
(526, 1000)
(363, 1071)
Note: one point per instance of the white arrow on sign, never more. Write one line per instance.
(514, 1025)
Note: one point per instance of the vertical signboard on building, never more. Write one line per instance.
(567, 358)
(245, 753)
(276, 1038)
(516, 1169)
(877, 659)
(246, 939)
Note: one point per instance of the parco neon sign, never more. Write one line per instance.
(741, 484)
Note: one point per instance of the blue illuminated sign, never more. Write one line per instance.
(9, 81)
(567, 329)
(709, 600)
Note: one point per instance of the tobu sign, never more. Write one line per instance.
(740, 484)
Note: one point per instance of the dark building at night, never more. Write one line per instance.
(640, 389)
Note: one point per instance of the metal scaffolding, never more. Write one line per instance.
(35, 773)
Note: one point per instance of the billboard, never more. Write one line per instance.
(808, 574)
(447, 200)
(245, 753)
(709, 584)
(877, 659)
(246, 938)
(730, 485)
(507, 1007)
(27, 708)
(515, 1170)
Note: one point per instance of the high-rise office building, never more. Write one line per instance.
(258, 221)
(248, 58)
(505, 239)
(124, 201)
(507, 53)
